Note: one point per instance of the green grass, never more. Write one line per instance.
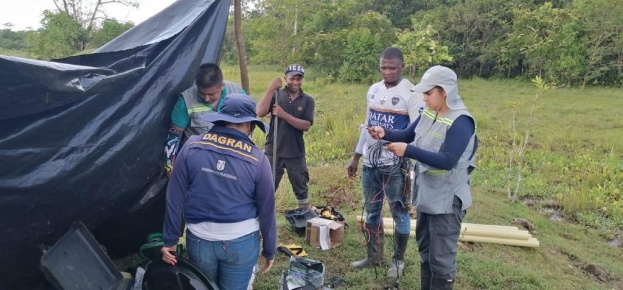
(573, 163)
(17, 53)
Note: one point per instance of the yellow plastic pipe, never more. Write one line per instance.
(388, 221)
(481, 232)
(471, 227)
(477, 233)
(530, 243)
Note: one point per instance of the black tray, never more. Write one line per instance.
(78, 262)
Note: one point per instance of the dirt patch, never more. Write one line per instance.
(339, 197)
(600, 273)
(570, 256)
(617, 243)
(530, 202)
(553, 213)
(568, 237)
(547, 207)
(468, 247)
(618, 285)
(524, 224)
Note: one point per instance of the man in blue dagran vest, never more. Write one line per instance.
(205, 97)
(222, 190)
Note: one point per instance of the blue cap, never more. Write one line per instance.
(236, 108)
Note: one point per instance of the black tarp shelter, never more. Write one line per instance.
(82, 138)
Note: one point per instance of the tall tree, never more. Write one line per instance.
(421, 47)
(549, 41)
(109, 29)
(602, 20)
(398, 11)
(60, 36)
(87, 12)
(275, 33)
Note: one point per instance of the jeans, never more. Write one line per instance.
(228, 263)
(376, 186)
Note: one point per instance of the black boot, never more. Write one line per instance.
(374, 247)
(398, 259)
(442, 284)
(425, 276)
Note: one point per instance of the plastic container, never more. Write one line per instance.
(77, 261)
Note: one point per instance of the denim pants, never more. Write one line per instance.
(228, 263)
(378, 185)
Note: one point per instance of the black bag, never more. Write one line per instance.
(160, 275)
(328, 212)
(297, 220)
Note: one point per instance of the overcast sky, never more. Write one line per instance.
(25, 14)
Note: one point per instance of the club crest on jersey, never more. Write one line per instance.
(395, 100)
(383, 98)
(300, 109)
(220, 165)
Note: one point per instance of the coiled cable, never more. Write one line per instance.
(378, 153)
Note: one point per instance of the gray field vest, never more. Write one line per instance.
(197, 108)
(436, 188)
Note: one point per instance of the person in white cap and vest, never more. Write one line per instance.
(222, 188)
(443, 143)
(292, 115)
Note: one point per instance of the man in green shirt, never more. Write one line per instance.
(205, 97)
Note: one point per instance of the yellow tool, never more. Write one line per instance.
(294, 249)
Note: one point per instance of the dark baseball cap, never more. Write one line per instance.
(294, 69)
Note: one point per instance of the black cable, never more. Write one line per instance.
(376, 151)
(375, 157)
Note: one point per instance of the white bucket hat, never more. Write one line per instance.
(443, 77)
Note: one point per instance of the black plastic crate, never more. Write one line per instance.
(78, 262)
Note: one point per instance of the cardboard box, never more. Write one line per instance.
(323, 233)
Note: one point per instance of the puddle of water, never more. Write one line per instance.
(530, 201)
(617, 243)
(553, 214)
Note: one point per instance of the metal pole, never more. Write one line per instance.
(275, 148)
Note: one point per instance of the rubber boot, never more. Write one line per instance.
(398, 259)
(425, 276)
(374, 247)
(304, 204)
(442, 284)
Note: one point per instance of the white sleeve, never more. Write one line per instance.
(415, 102)
(362, 141)
(364, 135)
